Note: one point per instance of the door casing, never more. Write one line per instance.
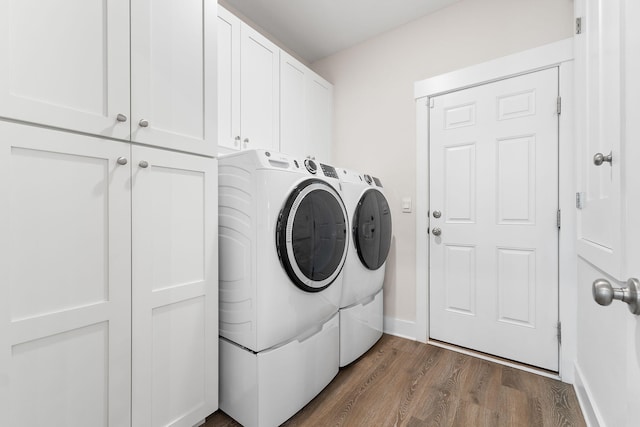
(558, 54)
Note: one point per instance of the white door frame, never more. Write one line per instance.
(558, 54)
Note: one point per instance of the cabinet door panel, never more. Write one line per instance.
(293, 118)
(319, 120)
(175, 298)
(169, 40)
(259, 91)
(228, 80)
(66, 64)
(65, 325)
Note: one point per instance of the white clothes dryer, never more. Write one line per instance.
(283, 241)
(361, 304)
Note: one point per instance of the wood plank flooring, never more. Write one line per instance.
(401, 382)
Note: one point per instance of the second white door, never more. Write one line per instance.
(494, 233)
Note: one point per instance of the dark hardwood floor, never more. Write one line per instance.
(405, 383)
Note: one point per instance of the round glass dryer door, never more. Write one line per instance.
(311, 235)
(372, 229)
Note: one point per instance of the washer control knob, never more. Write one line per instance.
(311, 166)
(367, 179)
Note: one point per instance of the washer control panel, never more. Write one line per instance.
(329, 171)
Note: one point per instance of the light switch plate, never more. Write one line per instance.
(406, 204)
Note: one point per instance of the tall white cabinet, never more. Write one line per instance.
(108, 297)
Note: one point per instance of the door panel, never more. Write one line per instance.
(175, 299)
(608, 120)
(65, 330)
(52, 76)
(494, 177)
(598, 76)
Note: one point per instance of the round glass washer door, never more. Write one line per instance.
(372, 229)
(311, 235)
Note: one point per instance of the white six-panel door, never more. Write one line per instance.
(494, 180)
(174, 287)
(65, 292)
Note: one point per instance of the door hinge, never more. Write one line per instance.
(559, 218)
(578, 25)
(559, 105)
(559, 332)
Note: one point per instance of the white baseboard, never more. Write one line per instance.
(400, 328)
(585, 398)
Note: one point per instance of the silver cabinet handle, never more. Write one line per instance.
(436, 231)
(236, 140)
(246, 142)
(121, 118)
(437, 214)
(143, 123)
(122, 161)
(143, 164)
(604, 293)
(600, 158)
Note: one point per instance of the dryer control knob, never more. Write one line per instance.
(368, 179)
(311, 166)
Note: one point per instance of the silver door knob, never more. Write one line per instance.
(143, 164)
(600, 158)
(122, 161)
(121, 118)
(436, 231)
(143, 123)
(437, 214)
(604, 293)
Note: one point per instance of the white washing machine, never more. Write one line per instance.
(283, 240)
(361, 304)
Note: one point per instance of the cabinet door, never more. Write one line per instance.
(293, 107)
(259, 91)
(228, 80)
(65, 324)
(175, 288)
(170, 98)
(319, 116)
(66, 64)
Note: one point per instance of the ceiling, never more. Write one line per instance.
(314, 29)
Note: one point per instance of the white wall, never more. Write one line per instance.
(374, 109)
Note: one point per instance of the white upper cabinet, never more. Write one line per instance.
(228, 80)
(259, 91)
(67, 65)
(319, 114)
(305, 110)
(248, 81)
(169, 93)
